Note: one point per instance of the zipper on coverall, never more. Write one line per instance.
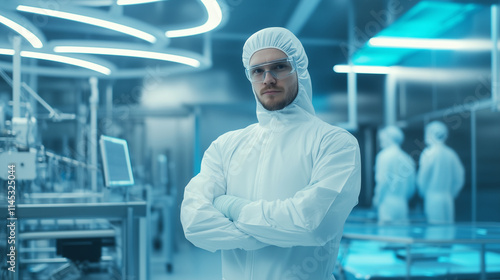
(265, 143)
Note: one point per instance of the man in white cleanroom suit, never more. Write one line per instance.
(274, 196)
(440, 176)
(394, 177)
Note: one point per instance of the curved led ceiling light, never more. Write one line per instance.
(214, 19)
(414, 73)
(53, 51)
(7, 51)
(84, 63)
(135, 2)
(68, 60)
(56, 72)
(96, 18)
(361, 69)
(430, 43)
(23, 27)
(100, 3)
(131, 52)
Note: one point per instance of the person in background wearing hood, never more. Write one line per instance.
(394, 177)
(274, 196)
(440, 176)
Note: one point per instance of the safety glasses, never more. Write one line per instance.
(279, 69)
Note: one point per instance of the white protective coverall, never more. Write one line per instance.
(440, 177)
(301, 175)
(394, 178)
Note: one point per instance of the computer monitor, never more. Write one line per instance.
(116, 162)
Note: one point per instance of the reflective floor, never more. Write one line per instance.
(189, 263)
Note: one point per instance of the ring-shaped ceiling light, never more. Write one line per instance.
(212, 8)
(120, 23)
(130, 50)
(84, 62)
(134, 2)
(131, 53)
(68, 60)
(23, 27)
(56, 72)
(97, 18)
(214, 19)
(100, 3)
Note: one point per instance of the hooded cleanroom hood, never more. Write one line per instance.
(284, 40)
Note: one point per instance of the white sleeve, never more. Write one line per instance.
(317, 213)
(203, 225)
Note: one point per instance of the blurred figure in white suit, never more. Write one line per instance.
(394, 177)
(441, 175)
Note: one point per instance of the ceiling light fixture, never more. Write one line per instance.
(90, 20)
(414, 73)
(214, 19)
(128, 52)
(68, 60)
(135, 2)
(60, 58)
(434, 44)
(7, 51)
(28, 35)
(361, 69)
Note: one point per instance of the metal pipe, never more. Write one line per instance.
(368, 164)
(6, 77)
(403, 102)
(94, 103)
(207, 48)
(473, 164)
(352, 100)
(196, 141)
(80, 141)
(39, 99)
(390, 99)
(495, 63)
(53, 114)
(109, 106)
(32, 81)
(434, 84)
(16, 78)
(352, 88)
(130, 259)
(71, 161)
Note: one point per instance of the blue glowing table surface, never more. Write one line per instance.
(421, 250)
(479, 233)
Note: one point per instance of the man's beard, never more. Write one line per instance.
(275, 106)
